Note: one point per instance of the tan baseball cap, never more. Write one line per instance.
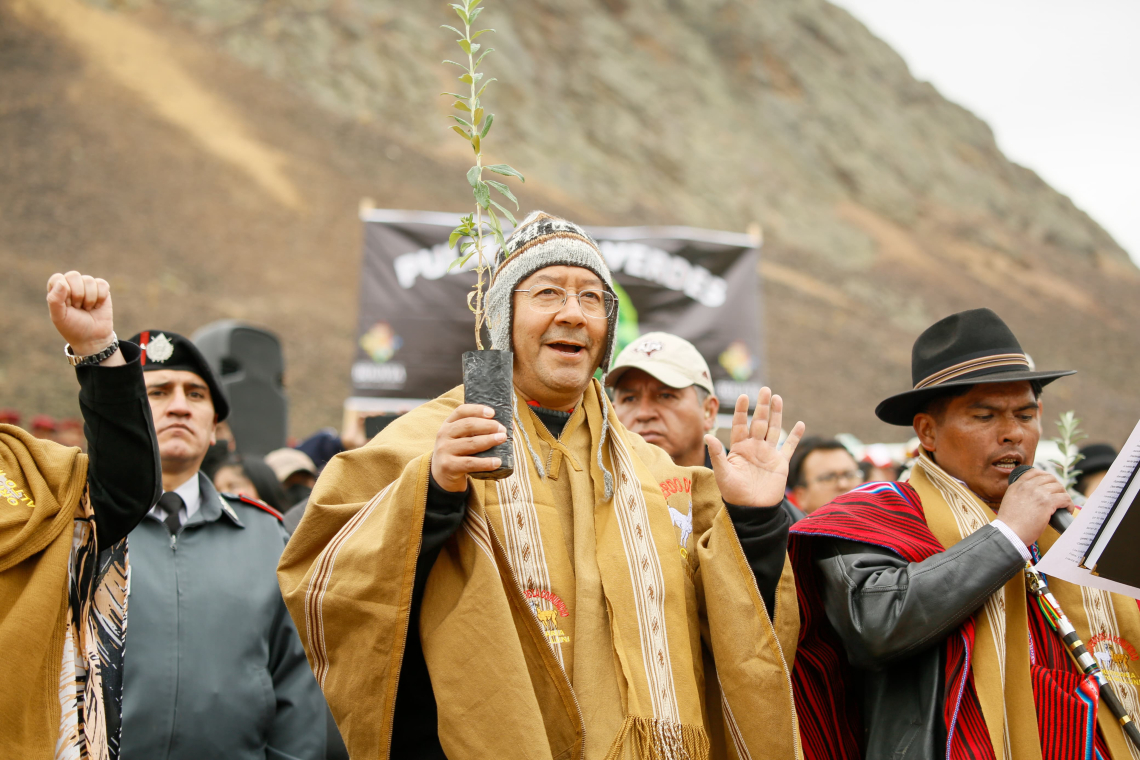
(285, 462)
(672, 360)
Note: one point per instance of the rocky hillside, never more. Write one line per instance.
(209, 158)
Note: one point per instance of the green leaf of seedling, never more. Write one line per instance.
(487, 125)
(460, 65)
(454, 237)
(460, 261)
(482, 194)
(477, 116)
(463, 121)
(481, 31)
(478, 75)
(473, 175)
(452, 28)
(459, 131)
(474, 15)
(461, 106)
(475, 144)
(474, 49)
(504, 170)
(465, 45)
(454, 95)
(479, 94)
(505, 191)
(461, 13)
(463, 248)
(506, 213)
(484, 55)
(466, 79)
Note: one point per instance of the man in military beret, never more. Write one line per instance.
(216, 667)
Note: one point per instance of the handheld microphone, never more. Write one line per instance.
(1061, 519)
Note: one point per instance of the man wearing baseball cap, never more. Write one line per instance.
(663, 392)
(919, 639)
(215, 668)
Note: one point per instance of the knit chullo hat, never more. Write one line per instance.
(540, 241)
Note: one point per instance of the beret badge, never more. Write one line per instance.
(159, 349)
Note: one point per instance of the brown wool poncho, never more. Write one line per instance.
(41, 487)
(560, 621)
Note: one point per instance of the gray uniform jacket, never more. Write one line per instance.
(893, 617)
(214, 667)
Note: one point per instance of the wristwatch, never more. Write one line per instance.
(87, 361)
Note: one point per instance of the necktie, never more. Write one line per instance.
(171, 503)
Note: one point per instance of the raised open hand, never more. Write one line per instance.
(80, 307)
(754, 472)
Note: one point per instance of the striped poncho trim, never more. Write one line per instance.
(890, 515)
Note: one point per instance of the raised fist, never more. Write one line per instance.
(80, 307)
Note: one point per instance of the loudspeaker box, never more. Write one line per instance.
(251, 366)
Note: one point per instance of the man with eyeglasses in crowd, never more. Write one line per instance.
(821, 470)
(560, 611)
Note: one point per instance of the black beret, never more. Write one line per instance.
(162, 349)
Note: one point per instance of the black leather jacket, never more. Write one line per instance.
(893, 616)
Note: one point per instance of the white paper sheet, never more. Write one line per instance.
(1063, 560)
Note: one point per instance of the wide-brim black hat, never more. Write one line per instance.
(967, 348)
(162, 349)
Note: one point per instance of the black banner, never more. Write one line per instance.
(414, 323)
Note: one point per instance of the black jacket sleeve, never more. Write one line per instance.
(124, 473)
(885, 608)
(763, 534)
(414, 732)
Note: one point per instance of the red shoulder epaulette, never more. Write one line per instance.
(259, 504)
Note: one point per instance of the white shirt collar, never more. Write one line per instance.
(191, 493)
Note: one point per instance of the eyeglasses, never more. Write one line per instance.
(850, 476)
(547, 299)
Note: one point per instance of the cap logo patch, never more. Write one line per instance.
(159, 349)
(649, 347)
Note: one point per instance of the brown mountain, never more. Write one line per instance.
(208, 159)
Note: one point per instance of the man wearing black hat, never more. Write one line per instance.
(918, 640)
(216, 668)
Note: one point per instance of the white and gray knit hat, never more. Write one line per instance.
(542, 240)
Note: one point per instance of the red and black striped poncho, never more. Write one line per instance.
(890, 515)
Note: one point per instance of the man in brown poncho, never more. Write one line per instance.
(64, 518)
(600, 602)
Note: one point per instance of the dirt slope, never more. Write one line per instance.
(210, 158)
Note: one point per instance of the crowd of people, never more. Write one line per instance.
(631, 588)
